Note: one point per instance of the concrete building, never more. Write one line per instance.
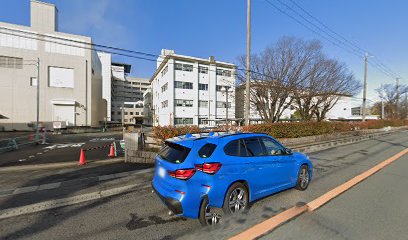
(106, 61)
(188, 90)
(346, 108)
(147, 107)
(70, 78)
(127, 95)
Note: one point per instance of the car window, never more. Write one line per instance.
(254, 147)
(174, 153)
(235, 148)
(272, 148)
(207, 150)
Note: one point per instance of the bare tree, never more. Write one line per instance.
(295, 73)
(276, 73)
(389, 95)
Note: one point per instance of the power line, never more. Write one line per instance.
(344, 44)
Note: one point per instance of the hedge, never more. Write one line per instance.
(287, 130)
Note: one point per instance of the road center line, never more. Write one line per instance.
(277, 220)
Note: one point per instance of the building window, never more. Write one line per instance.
(183, 121)
(119, 113)
(203, 104)
(183, 85)
(11, 62)
(126, 113)
(184, 67)
(221, 88)
(202, 69)
(355, 111)
(164, 87)
(165, 104)
(131, 113)
(183, 103)
(137, 113)
(202, 86)
(222, 72)
(165, 70)
(202, 121)
(223, 104)
(33, 81)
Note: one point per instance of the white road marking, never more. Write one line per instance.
(39, 153)
(22, 160)
(31, 156)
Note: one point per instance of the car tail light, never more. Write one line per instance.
(209, 168)
(183, 174)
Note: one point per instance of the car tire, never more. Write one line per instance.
(207, 216)
(236, 199)
(303, 178)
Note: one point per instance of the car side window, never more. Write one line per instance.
(236, 148)
(254, 147)
(207, 150)
(272, 148)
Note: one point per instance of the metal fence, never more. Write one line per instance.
(11, 144)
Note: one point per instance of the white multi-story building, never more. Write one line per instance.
(192, 91)
(127, 95)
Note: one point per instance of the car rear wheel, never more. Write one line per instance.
(236, 199)
(208, 215)
(303, 178)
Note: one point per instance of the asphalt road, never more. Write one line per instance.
(62, 148)
(140, 215)
(374, 209)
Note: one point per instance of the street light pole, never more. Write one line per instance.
(364, 88)
(248, 62)
(226, 107)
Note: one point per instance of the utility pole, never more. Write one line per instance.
(37, 130)
(364, 89)
(248, 62)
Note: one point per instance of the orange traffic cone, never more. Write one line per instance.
(112, 152)
(82, 160)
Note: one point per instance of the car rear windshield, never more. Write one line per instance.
(207, 150)
(174, 153)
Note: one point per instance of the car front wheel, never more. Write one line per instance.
(303, 178)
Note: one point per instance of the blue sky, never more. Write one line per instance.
(218, 27)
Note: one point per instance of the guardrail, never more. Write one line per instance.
(11, 144)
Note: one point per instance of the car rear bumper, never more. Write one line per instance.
(173, 204)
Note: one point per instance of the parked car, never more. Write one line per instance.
(197, 174)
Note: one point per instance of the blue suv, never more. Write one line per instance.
(197, 174)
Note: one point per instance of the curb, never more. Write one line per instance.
(319, 146)
(270, 224)
(51, 204)
(55, 185)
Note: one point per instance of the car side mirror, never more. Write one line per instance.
(288, 151)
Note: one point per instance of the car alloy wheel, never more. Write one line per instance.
(303, 178)
(211, 218)
(237, 200)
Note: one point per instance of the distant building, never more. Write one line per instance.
(106, 61)
(191, 91)
(69, 75)
(127, 95)
(147, 110)
(347, 108)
